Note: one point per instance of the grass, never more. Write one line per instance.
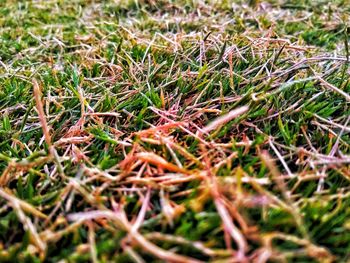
(176, 131)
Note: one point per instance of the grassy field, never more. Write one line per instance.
(174, 131)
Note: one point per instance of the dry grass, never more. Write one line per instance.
(174, 131)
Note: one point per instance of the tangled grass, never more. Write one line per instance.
(174, 131)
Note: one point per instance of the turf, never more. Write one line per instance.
(174, 131)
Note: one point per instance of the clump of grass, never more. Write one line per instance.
(180, 131)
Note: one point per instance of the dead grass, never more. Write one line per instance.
(174, 131)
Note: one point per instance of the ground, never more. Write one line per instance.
(174, 131)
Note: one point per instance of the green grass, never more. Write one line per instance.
(133, 94)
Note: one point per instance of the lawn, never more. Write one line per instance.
(174, 131)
